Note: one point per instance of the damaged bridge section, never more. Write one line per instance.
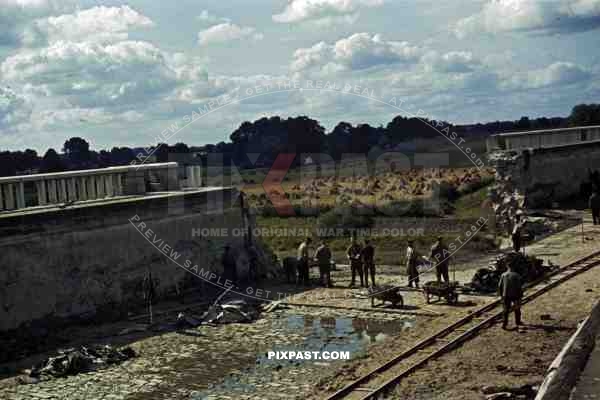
(536, 169)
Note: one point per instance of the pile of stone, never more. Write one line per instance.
(84, 359)
(530, 268)
(507, 200)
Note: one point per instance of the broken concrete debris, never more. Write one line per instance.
(234, 311)
(84, 359)
(530, 268)
(525, 392)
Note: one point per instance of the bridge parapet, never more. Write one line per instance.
(515, 141)
(18, 192)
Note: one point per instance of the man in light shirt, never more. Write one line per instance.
(303, 274)
(411, 265)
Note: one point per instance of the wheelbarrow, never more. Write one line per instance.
(441, 290)
(386, 293)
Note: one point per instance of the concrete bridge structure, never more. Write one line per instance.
(82, 243)
(18, 192)
(547, 138)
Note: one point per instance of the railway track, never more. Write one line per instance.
(378, 382)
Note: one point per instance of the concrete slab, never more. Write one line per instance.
(588, 386)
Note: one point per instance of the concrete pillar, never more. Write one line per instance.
(62, 190)
(101, 193)
(108, 183)
(118, 182)
(10, 197)
(1, 198)
(91, 186)
(52, 191)
(82, 192)
(40, 187)
(71, 191)
(197, 175)
(20, 195)
(189, 176)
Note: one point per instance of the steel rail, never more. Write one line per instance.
(569, 271)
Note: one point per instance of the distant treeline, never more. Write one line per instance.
(271, 136)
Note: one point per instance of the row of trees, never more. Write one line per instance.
(271, 136)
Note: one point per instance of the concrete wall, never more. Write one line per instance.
(68, 262)
(548, 174)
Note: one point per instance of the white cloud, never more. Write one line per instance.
(556, 74)
(451, 62)
(303, 10)
(208, 17)
(548, 16)
(15, 14)
(105, 24)
(356, 52)
(226, 32)
(90, 74)
(14, 109)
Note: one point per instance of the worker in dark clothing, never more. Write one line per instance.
(303, 262)
(441, 256)
(594, 204)
(411, 265)
(353, 254)
(229, 264)
(511, 290)
(368, 259)
(323, 257)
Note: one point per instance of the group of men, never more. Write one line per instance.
(439, 255)
(362, 261)
(361, 258)
(323, 257)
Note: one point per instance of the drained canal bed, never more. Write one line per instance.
(272, 378)
(229, 361)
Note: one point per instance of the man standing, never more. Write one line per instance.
(411, 265)
(353, 254)
(323, 256)
(229, 265)
(516, 233)
(511, 291)
(594, 204)
(303, 274)
(440, 254)
(368, 258)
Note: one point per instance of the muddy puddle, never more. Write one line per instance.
(307, 333)
(351, 335)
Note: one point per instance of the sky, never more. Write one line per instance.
(120, 73)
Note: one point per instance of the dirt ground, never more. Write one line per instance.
(496, 357)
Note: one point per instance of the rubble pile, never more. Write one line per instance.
(84, 359)
(505, 196)
(530, 268)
